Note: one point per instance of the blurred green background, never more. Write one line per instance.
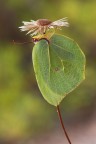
(23, 111)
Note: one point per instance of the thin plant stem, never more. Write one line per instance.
(61, 121)
(33, 41)
(20, 43)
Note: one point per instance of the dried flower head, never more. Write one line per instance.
(42, 25)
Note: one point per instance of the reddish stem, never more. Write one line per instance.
(61, 121)
(20, 43)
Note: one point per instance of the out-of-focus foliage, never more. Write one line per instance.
(19, 109)
(23, 111)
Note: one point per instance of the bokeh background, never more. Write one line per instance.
(25, 117)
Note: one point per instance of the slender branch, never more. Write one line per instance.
(20, 43)
(61, 121)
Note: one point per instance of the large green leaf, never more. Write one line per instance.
(59, 67)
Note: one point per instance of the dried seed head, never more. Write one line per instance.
(40, 26)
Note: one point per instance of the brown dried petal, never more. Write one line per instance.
(43, 22)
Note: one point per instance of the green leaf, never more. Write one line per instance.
(59, 67)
